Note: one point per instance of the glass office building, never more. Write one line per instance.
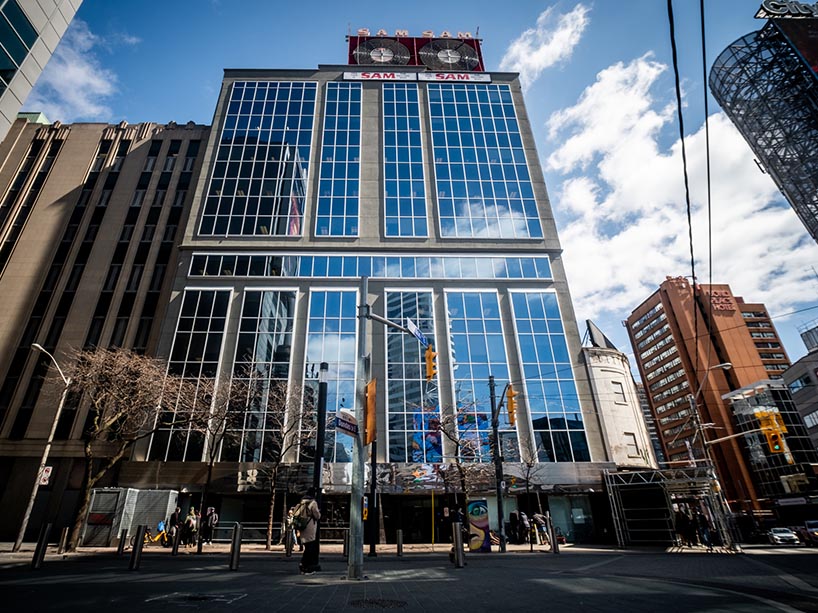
(427, 184)
(29, 35)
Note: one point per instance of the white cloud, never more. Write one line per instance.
(74, 85)
(550, 42)
(622, 205)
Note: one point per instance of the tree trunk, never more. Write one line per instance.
(87, 483)
(271, 513)
(202, 508)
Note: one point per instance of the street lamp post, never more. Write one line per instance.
(498, 462)
(318, 467)
(67, 380)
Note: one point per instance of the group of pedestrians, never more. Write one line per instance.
(693, 529)
(188, 526)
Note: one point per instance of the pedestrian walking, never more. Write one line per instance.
(211, 520)
(173, 523)
(305, 517)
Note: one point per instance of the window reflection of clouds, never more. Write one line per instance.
(550, 390)
(484, 189)
(331, 338)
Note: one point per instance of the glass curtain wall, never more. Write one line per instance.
(260, 174)
(483, 183)
(260, 373)
(478, 350)
(412, 406)
(331, 338)
(549, 389)
(197, 347)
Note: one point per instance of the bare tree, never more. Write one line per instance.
(471, 471)
(124, 392)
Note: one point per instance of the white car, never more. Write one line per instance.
(782, 536)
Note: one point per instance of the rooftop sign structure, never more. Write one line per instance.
(786, 9)
(443, 52)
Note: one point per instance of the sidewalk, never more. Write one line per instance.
(580, 578)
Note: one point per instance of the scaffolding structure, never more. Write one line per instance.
(644, 504)
(770, 93)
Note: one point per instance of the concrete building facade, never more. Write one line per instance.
(89, 220)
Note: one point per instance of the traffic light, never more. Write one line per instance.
(431, 367)
(775, 442)
(511, 405)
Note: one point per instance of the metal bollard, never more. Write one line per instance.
(42, 545)
(136, 552)
(63, 540)
(457, 540)
(400, 542)
(346, 544)
(123, 538)
(235, 547)
(288, 543)
(177, 538)
(555, 546)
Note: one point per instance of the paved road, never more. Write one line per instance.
(762, 579)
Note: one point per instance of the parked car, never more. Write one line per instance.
(811, 531)
(782, 536)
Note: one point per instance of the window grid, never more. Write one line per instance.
(483, 186)
(478, 351)
(337, 213)
(414, 418)
(404, 191)
(197, 346)
(17, 36)
(332, 338)
(351, 266)
(259, 178)
(549, 389)
(262, 366)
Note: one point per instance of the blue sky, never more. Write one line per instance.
(599, 93)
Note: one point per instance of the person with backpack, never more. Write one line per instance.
(305, 520)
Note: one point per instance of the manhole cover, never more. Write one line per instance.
(378, 603)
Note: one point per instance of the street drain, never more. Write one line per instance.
(377, 603)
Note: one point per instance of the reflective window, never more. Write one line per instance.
(548, 385)
(259, 177)
(197, 347)
(261, 367)
(340, 162)
(351, 266)
(483, 186)
(17, 36)
(331, 338)
(404, 191)
(412, 406)
(478, 351)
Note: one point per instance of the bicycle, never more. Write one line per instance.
(161, 537)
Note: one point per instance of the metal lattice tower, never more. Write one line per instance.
(771, 95)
